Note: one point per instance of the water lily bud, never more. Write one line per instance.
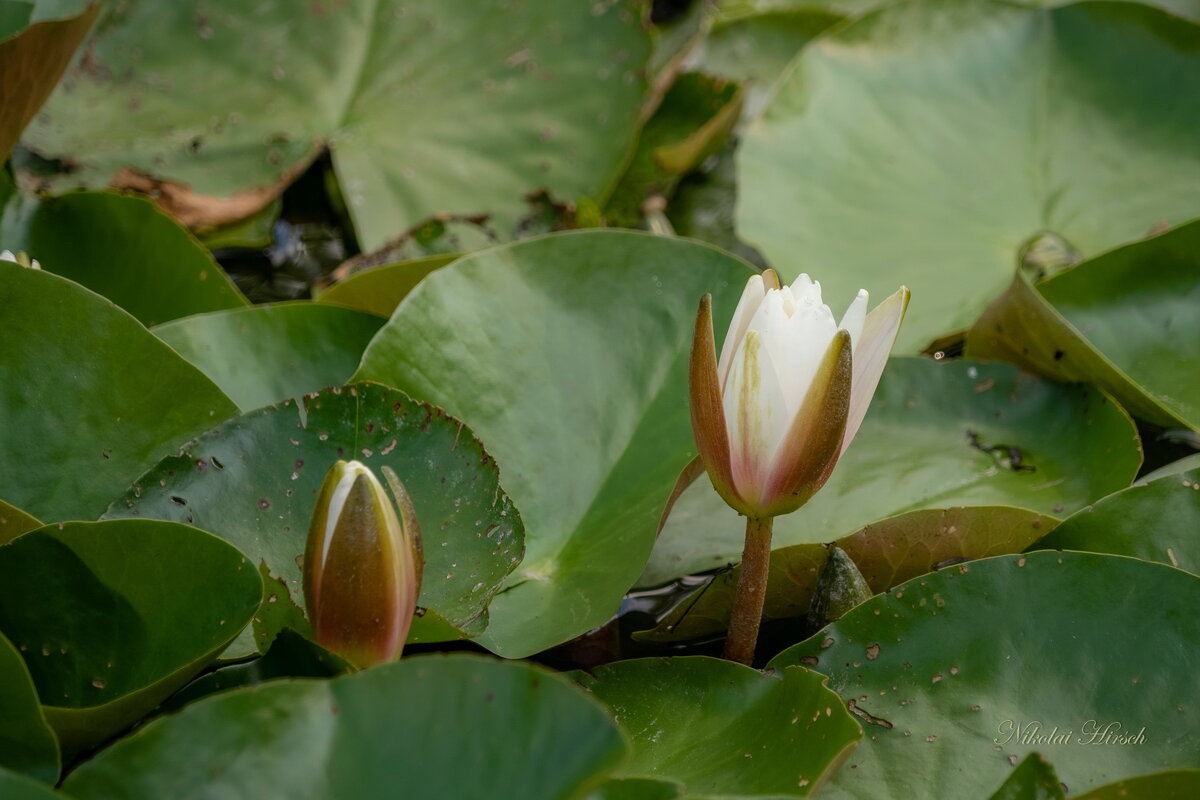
(774, 415)
(20, 258)
(362, 565)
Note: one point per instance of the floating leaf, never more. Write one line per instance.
(270, 353)
(123, 248)
(218, 109)
(1180, 784)
(253, 481)
(27, 744)
(959, 675)
(89, 399)
(719, 727)
(955, 433)
(929, 141)
(112, 617)
(379, 290)
(568, 355)
(1125, 320)
(1159, 521)
(14, 522)
(454, 726)
(17, 787)
(1033, 779)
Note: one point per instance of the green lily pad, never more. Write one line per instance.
(33, 59)
(89, 400)
(253, 481)
(637, 789)
(959, 675)
(123, 248)
(928, 141)
(14, 522)
(568, 355)
(1033, 779)
(939, 434)
(720, 727)
(112, 617)
(1159, 521)
(455, 726)
(887, 553)
(1125, 320)
(380, 289)
(219, 109)
(27, 744)
(1179, 784)
(267, 354)
(14, 786)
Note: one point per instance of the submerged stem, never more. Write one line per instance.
(751, 592)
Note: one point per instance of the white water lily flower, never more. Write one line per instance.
(792, 386)
(20, 258)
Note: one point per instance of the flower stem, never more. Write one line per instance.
(751, 592)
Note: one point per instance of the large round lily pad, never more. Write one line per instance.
(89, 399)
(957, 676)
(928, 141)
(454, 726)
(27, 744)
(267, 354)
(1125, 320)
(956, 433)
(253, 481)
(719, 727)
(112, 617)
(568, 355)
(218, 108)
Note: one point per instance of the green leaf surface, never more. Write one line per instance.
(121, 247)
(637, 789)
(14, 522)
(270, 353)
(112, 617)
(89, 399)
(959, 675)
(27, 744)
(568, 355)
(927, 141)
(14, 786)
(1174, 468)
(1159, 521)
(915, 450)
(453, 726)
(32, 60)
(720, 727)
(1125, 320)
(380, 289)
(887, 553)
(253, 481)
(231, 102)
(1033, 779)
(1179, 784)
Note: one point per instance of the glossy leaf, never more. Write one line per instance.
(253, 481)
(379, 290)
(1159, 521)
(32, 60)
(270, 353)
(937, 435)
(218, 111)
(956, 132)
(1125, 320)
(14, 522)
(27, 744)
(454, 726)
(887, 553)
(719, 727)
(112, 617)
(637, 789)
(568, 355)
(1033, 779)
(1180, 784)
(88, 401)
(963, 673)
(123, 248)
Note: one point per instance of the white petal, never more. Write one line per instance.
(755, 416)
(752, 297)
(852, 320)
(796, 347)
(870, 357)
(7, 255)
